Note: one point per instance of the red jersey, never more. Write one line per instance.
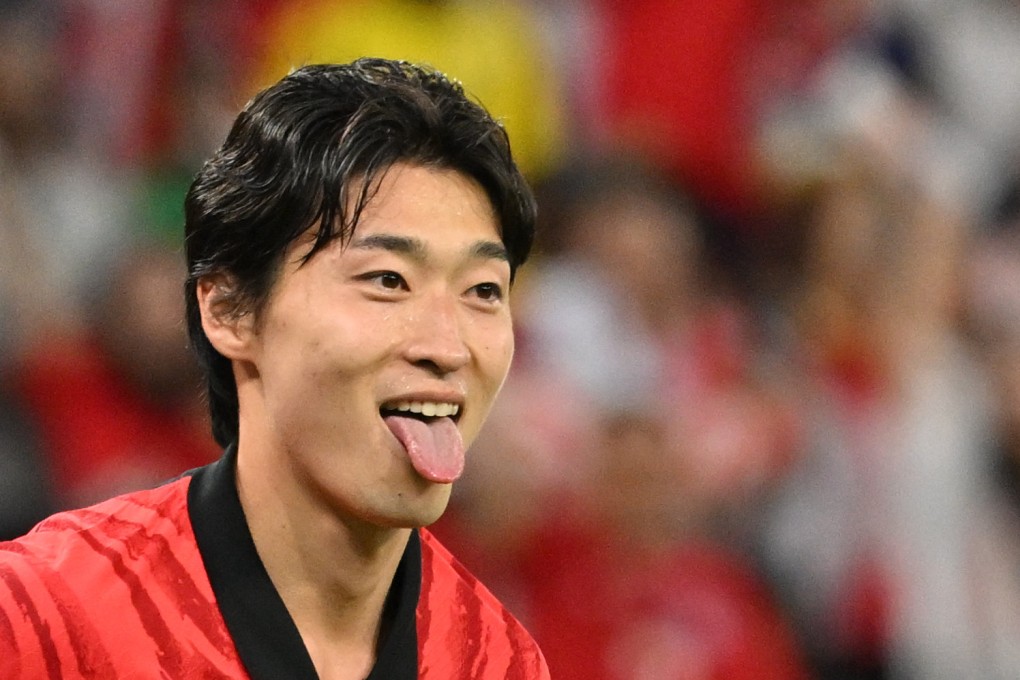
(167, 583)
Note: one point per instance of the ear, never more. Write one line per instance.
(230, 332)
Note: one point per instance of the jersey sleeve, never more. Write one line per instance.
(32, 639)
(113, 591)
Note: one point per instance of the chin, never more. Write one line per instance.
(421, 511)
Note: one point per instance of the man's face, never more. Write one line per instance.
(375, 362)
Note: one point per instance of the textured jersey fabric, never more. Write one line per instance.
(166, 583)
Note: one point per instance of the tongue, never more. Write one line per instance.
(435, 448)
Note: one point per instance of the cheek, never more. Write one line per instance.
(498, 353)
(493, 351)
(507, 358)
(319, 357)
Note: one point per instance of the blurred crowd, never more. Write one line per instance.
(764, 417)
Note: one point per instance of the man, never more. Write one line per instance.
(350, 248)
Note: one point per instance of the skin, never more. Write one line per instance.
(414, 308)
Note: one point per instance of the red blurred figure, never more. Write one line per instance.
(630, 585)
(119, 407)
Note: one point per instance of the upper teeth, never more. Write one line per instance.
(429, 408)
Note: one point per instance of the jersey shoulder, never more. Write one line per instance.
(91, 592)
(462, 626)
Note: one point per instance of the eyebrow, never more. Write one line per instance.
(417, 249)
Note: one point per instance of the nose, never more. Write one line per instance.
(437, 341)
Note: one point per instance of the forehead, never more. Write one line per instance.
(414, 197)
(434, 207)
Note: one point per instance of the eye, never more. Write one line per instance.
(488, 292)
(391, 281)
(387, 280)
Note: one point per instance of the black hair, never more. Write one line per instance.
(308, 153)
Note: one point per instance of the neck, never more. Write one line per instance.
(332, 572)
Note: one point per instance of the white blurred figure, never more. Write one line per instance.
(61, 209)
(872, 533)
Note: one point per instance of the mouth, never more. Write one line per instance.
(428, 432)
(422, 410)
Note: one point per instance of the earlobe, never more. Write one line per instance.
(228, 330)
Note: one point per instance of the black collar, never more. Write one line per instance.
(265, 635)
